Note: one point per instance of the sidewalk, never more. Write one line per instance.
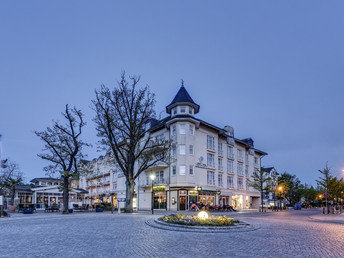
(331, 218)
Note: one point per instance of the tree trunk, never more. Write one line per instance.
(129, 195)
(261, 200)
(13, 192)
(65, 195)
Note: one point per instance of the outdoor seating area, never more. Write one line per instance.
(83, 207)
(52, 208)
(26, 207)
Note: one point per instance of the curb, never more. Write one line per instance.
(242, 227)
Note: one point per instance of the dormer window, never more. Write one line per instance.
(174, 111)
(183, 110)
(190, 111)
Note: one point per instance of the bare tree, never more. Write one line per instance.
(121, 116)
(62, 147)
(10, 177)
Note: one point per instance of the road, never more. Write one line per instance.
(281, 234)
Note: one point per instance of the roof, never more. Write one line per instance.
(267, 169)
(182, 97)
(23, 187)
(37, 179)
(248, 142)
(81, 190)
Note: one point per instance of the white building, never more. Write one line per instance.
(45, 192)
(210, 165)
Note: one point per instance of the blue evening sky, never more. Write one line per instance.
(271, 69)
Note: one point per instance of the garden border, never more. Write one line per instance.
(240, 227)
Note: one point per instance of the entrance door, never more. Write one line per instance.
(182, 203)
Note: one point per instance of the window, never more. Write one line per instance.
(174, 111)
(182, 129)
(210, 160)
(190, 110)
(255, 160)
(240, 169)
(182, 110)
(160, 138)
(191, 149)
(230, 182)
(159, 177)
(220, 149)
(174, 130)
(210, 143)
(240, 183)
(174, 150)
(182, 149)
(240, 156)
(229, 152)
(219, 177)
(220, 164)
(229, 166)
(182, 170)
(191, 170)
(210, 178)
(246, 171)
(247, 185)
(147, 179)
(246, 158)
(174, 170)
(191, 129)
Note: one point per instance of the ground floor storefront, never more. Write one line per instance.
(181, 199)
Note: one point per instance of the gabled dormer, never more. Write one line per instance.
(182, 104)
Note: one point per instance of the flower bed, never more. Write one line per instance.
(194, 220)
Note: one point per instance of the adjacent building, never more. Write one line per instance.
(46, 191)
(210, 165)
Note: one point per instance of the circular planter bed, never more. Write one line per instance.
(197, 224)
(202, 219)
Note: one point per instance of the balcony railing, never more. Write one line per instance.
(160, 181)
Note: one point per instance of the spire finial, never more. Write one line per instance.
(182, 83)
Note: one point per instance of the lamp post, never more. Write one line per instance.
(152, 177)
(280, 189)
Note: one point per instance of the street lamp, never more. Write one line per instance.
(152, 177)
(280, 189)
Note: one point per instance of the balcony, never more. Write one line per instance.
(240, 159)
(157, 166)
(158, 181)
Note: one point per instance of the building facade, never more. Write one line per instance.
(209, 165)
(45, 192)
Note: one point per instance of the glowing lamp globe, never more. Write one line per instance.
(202, 215)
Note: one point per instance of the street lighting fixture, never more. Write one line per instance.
(152, 177)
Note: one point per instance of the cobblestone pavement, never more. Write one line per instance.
(281, 234)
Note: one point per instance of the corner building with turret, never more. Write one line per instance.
(209, 166)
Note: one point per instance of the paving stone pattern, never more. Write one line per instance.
(282, 234)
